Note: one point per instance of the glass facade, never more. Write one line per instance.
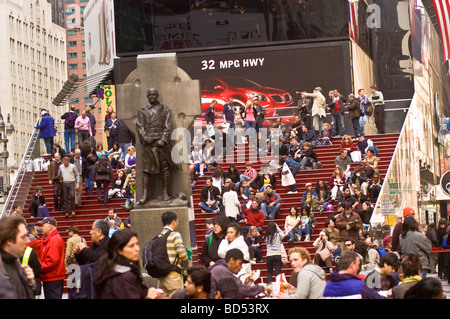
(152, 25)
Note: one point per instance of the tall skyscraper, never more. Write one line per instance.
(33, 61)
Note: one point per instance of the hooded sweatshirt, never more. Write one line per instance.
(311, 279)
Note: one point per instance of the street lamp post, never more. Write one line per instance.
(5, 131)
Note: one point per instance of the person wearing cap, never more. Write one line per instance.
(309, 195)
(53, 268)
(228, 268)
(318, 109)
(16, 281)
(47, 130)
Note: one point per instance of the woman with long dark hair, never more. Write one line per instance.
(209, 254)
(118, 274)
(273, 238)
(414, 242)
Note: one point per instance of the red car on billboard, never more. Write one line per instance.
(220, 88)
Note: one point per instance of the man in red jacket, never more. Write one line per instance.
(254, 216)
(53, 269)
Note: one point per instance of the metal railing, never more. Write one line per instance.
(16, 188)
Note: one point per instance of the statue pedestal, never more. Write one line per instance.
(146, 222)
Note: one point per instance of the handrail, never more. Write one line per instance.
(7, 207)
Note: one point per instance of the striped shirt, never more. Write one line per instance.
(175, 248)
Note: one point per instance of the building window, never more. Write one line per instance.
(73, 66)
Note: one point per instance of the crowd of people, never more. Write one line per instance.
(362, 261)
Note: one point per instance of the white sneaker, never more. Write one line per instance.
(307, 238)
(291, 192)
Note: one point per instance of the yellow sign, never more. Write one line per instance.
(109, 100)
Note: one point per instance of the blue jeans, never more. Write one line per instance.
(250, 131)
(207, 208)
(356, 126)
(362, 122)
(305, 231)
(69, 139)
(270, 211)
(338, 120)
(105, 184)
(306, 160)
(88, 181)
(48, 141)
(124, 149)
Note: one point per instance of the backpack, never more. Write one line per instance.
(103, 168)
(369, 109)
(70, 120)
(445, 242)
(155, 258)
(381, 251)
(83, 287)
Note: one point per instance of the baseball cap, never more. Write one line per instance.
(48, 220)
(308, 184)
(408, 211)
(235, 254)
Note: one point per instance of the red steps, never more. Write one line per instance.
(326, 155)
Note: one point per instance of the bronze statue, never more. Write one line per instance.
(154, 128)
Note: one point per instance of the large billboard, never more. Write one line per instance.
(99, 34)
(272, 74)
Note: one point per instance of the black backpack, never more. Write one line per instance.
(81, 285)
(103, 168)
(369, 109)
(70, 120)
(155, 258)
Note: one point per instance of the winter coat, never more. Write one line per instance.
(319, 104)
(209, 252)
(254, 218)
(93, 253)
(122, 283)
(416, 243)
(341, 222)
(343, 286)
(13, 282)
(231, 203)
(353, 109)
(46, 127)
(52, 258)
(331, 105)
(220, 270)
(109, 176)
(311, 283)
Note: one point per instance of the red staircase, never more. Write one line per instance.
(326, 155)
(91, 209)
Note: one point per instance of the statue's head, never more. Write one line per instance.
(152, 95)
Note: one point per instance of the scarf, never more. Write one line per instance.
(412, 279)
